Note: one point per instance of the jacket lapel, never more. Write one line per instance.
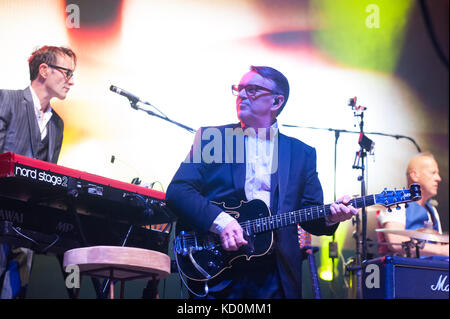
(51, 131)
(32, 121)
(274, 192)
(238, 167)
(284, 165)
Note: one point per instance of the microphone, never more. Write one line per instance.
(133, 98)
(352, 103)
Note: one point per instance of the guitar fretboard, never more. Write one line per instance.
(299, 216)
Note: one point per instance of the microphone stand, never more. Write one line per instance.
(396, 136)
(164, 117)
(151, 288)
(361, 245)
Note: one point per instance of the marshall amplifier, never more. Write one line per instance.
(398, 277)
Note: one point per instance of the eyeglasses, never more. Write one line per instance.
(68, 73)
(250, 89)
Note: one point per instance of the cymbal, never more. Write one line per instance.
(382, 243)
(421, 233)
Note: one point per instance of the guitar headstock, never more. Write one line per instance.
(389, 198)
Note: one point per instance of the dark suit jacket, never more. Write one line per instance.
(19, 130)
(294, 185)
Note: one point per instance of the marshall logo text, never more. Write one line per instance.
(441, 285)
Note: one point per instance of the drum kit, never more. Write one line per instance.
(418, 238)
(414, 239)
(422, 234)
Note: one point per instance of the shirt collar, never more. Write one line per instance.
(37, 104)
(258, 133)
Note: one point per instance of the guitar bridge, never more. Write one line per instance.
(186, 244)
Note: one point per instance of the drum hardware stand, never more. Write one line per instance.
(408, 245)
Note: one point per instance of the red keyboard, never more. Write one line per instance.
(36, 171)
(82, 209)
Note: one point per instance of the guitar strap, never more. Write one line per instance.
(432, 217)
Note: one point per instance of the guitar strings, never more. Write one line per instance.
(305, 214)
(268, 222)
(271, 222)
(265, 223)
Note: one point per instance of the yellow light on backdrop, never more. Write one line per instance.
(367, 34)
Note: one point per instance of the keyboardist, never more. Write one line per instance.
(51, 75)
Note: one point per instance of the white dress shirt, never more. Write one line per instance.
(42, 117)
(259, 152)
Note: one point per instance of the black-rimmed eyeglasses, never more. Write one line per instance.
(68, 73)
(250, 89)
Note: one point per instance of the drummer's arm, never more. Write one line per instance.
(395, 239)
(428, 250)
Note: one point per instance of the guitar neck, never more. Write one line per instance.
(299, 216)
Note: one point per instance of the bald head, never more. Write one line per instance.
(423, 170)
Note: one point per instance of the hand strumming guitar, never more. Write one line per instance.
(232, 236)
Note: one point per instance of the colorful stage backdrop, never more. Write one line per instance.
(183, 55)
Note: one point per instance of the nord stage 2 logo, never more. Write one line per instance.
(40, 175)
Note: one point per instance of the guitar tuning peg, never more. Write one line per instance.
(398, 207)
(389, 209)
(406, 205)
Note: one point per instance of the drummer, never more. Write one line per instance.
(421, 215)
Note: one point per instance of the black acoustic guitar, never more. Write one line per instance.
(200, 256)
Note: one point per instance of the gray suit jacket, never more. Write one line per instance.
(19, 130)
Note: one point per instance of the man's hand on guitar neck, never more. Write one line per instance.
(232, 236)
(341, 211)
